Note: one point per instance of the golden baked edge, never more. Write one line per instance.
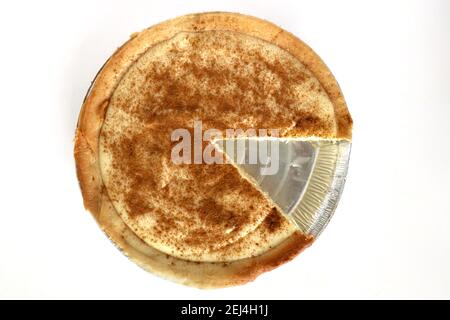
(96, 200)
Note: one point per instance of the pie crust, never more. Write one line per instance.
(92, 116)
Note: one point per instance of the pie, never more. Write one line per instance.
(203, 225)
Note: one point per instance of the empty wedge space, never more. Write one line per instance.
(303, 177)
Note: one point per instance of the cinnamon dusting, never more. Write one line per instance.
(202, 207)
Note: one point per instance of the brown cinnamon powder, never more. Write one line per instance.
(247, 88)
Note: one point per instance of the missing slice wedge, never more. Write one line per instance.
(304, 178)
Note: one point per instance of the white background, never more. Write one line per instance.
(390, 237)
